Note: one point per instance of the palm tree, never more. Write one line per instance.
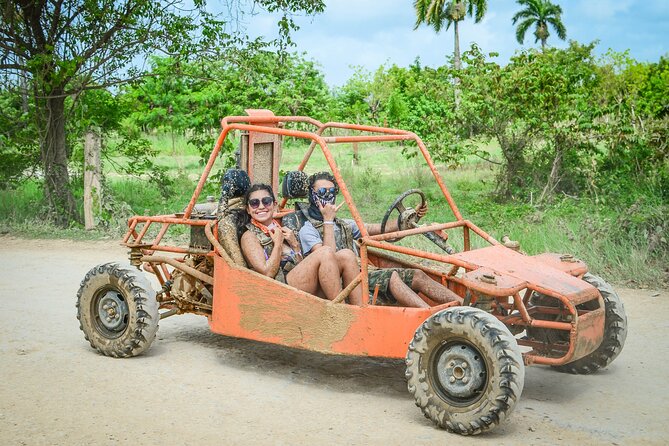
(436, 13)
(539, 13)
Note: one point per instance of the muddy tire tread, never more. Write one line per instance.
(143, 308)
(615, 332)
(504, 391)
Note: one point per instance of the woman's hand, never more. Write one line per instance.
(289, 237)
(276, 235)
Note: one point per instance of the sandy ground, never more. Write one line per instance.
(194, 387)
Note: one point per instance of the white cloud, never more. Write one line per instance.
(360, 10)
(263, 25)
(337, 54)
(375, 32)
(397, 44)
(604, 9)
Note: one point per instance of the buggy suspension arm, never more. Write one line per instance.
(180, 266)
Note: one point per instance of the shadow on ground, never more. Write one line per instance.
(341, 373)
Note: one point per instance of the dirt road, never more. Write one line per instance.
(194, 387)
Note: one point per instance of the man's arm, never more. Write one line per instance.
(391, 225)
(329, 212)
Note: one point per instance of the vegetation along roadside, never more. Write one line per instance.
(558, 148)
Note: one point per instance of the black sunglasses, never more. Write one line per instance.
(255, 202)
(323, 190)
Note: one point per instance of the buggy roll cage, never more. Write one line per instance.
(143, 253)
(272, 125)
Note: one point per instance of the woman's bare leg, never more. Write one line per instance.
(317, 269)
(349, 270)
(404, 295)
(434, 290)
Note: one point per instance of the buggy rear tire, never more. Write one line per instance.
(117, 310)
(615, 332)
(465, 370)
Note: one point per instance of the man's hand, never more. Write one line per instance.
(329, 211)
(421, 210)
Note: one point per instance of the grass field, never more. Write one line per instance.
(576, 226)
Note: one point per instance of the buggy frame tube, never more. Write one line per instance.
(366, 128)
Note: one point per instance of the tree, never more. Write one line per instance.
(633, 128)
(19, 152)
(351, 99)
(539, 13)
(436, 13)
(192, 97)
(541, 110)
(491, 107)
(65, 47)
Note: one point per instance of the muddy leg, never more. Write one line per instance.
(432, 289)
(403, 294)
(319, 268)
(349, 269)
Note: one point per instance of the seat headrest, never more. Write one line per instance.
(235, 183)
(295, 184)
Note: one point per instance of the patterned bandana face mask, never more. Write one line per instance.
(324, 196)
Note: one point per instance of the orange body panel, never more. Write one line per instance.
(589, 332)
(526, 270)
(249, 305)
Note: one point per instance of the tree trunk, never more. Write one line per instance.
(554, 176)
(92, 196)
(458, 64)
(54, 162)
(356, 158)
(456, 50)
(23, 87)
(514, 166)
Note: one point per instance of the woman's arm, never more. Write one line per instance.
(255, 255)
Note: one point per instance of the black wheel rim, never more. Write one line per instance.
(459, 373)
(109, 312)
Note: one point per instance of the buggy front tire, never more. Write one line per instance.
(117, 310)
(465, 370)
(615, 331)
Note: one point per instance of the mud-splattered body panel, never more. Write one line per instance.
(249, 305)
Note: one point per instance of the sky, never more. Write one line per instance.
(370, 33)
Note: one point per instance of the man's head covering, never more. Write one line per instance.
(328, 197)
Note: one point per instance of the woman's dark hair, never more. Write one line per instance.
(243, 217)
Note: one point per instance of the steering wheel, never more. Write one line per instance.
(408, 218)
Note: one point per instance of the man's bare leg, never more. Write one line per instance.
(349, 270)
(404, 295)
(434, 290)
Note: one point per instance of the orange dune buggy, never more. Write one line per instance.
(464, 361)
